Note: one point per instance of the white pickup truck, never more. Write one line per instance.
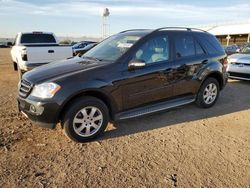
(37, 48)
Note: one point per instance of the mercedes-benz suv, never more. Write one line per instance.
(132, 73)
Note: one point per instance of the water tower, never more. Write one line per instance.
(105, 23)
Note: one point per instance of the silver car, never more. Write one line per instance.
(239, 64)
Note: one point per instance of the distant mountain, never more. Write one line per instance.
(78, 39)
(5, 40)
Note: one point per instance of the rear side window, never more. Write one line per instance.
(210, 43)
(184, 46)
(37, 38)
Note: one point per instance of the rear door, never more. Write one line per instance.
(153, 82)
(189, 58)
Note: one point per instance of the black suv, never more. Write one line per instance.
(132, 73)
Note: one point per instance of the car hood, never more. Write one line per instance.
(61, 68)
(239, 58)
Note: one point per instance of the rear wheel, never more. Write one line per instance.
(85, 119)
(208, 93)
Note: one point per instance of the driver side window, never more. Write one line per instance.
(154, 50)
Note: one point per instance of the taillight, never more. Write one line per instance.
(24, 54)
(225, 63)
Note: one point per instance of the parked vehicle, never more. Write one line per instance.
(243, 46)
(132, 73)
(33, 49)
(86, 48)
(239, 64)
(78, 47)
(3, 45)
(232, 49)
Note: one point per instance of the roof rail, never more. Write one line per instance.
(179, 28)
(134, 30)
(166, 28)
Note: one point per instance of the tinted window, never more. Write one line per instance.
(37, 38)
(198, 48)
(154, 50)
(210, 43)
(184, 46)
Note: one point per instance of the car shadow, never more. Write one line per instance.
(234, 98)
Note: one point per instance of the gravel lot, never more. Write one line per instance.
(183, 147)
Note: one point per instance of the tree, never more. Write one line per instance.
(66, 41)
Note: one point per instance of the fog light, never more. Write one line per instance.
(32, 108)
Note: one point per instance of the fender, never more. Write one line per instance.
(209, 68)
(213, 69)
(91, 88)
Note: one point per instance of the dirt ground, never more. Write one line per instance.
(183, 147)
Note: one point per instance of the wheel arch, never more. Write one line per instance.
(92, 93)
(216, 75)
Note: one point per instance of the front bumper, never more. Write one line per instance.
(42, 113)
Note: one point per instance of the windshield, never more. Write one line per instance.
(112, 48)
(246, 49)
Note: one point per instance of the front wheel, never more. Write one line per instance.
(208, 93)
(85, 119)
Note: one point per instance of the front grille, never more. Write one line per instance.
(240, 75)
(24, 88)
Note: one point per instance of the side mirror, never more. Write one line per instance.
(136, 64)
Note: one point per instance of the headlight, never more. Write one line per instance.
(45, 90)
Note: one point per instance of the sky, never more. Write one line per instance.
(77, 18)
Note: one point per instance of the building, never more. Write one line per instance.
(228, 34)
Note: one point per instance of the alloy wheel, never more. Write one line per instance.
(87, 121)
(210, 93)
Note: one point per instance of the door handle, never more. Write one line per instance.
(51, 51)
(182, 67)
(204, 61)
(163, 75)
(167, 71)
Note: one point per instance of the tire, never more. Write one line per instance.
(78, 122)
(209, 89)
(15, 66)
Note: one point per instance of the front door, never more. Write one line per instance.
(151, 83)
